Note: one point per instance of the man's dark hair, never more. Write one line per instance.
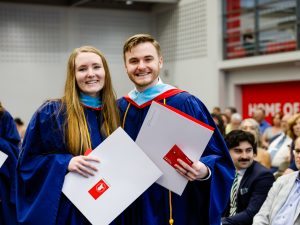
(232, 109)
(235, 137)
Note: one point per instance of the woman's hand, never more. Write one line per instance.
(82, 165)
(197, 171)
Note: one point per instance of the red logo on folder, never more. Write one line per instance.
(98, 189)
(174, 154)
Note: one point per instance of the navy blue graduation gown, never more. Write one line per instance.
(43, 165)
(202, 202)
(9, 141)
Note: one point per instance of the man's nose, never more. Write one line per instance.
(141, 65)
(244, 155)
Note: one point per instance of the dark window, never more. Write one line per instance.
(258, 27)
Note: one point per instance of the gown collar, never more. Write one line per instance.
(90, 102)
(149, 94)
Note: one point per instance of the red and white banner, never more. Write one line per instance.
(273, 97)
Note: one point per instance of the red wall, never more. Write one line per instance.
(274, 97)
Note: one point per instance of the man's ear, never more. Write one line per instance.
(160, 62)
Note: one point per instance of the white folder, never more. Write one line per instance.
(126, 170)
(164, 127)
(3, 157)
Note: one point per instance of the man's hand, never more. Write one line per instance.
(197, 171)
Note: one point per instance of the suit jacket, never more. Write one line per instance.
(252, 192)
(275, 200)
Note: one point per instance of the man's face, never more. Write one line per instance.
(297, 153)
(242, 155)
(259, 115)
(143, 65)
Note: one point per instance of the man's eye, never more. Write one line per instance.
(148, 59)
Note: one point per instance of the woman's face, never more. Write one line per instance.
(296, 128)
(249, 127)
(89, 73)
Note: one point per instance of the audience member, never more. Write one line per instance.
(262, 155)
(279, 149)
(229, 111)
(282, 206)
(259, 115)
(219, 122)
(21, 127)
(9, 141)
(273, 131)
(293, 132)
(216, 110)
(225, 119)
(235, 122)
(252, 183)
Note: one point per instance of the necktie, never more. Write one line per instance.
(233, 195)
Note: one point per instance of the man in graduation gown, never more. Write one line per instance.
(210, 178)
(9, 141)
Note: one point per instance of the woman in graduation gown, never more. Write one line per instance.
(58, 135)
(9, 141)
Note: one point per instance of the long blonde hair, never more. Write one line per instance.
(76, 128)
(291, 124)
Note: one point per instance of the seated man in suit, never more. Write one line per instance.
(282, 205)
(252, 182)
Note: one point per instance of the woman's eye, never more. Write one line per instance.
(81, 69)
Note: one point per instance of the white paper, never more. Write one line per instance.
(124, 167)
(3, 157)
(161, 130)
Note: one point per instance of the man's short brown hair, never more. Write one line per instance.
(134, 40)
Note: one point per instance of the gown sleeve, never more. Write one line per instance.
(216, 156)
(42, 167)
(9, 141)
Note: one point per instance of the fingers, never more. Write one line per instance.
(83, 166)
(185, 170)
(86, 162)
(91, 158)
(85, 171)
(197, 171)
(188, 175)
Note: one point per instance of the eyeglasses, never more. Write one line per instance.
(296, 151)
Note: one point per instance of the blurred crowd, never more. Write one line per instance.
(275, 140)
